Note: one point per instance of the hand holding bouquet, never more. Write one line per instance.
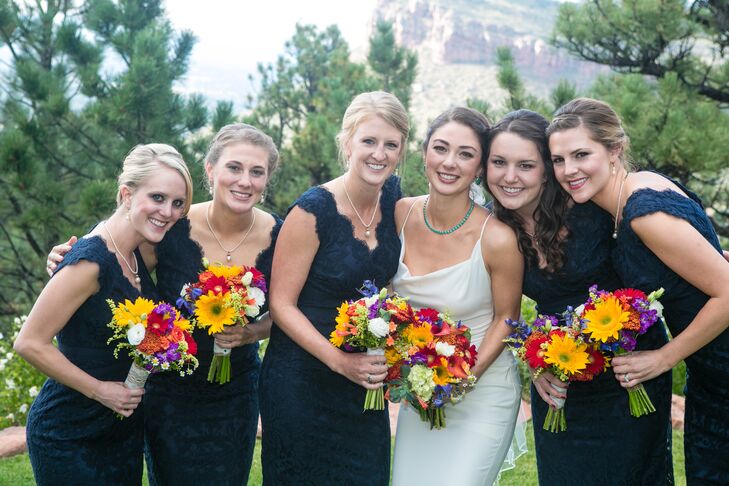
(544, 345)
(430, 362)
(368, 323)
(157, 338)
(223, 296)
(613, 321)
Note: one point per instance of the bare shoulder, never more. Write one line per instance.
(197, 212)
(402, 208)
(266, 219)
(650, 180)
(82, 277)
(498, 235)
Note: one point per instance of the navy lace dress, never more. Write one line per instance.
(73, 439)
(197, 432)
(314, 429)
(603, 443)
(706, 433)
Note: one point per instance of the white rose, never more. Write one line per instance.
(378, 326)
(252, 310)
(579, 309)
(257, 294)
(246, 279)
(135, 334)
(444, 349)
(33, 391)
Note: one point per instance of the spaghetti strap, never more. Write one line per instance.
(483, 228)
(407, 216)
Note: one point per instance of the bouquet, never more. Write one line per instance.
(157, 337)
(430, 362)
(545, 345)
(368, 323)
(613, 321)
(223, 296)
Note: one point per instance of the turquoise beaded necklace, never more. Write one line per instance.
(450, 230)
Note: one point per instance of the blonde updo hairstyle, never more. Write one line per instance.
(371, 104)
(144, 160)
(235, 133)
(598, 118)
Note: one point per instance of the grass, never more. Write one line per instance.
(16, 470)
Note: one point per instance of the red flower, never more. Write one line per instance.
(458, 367)
(157, 324)
(630, 294)
(534, 353)
(596, 364)
(428, 314)
(191, 344)
(470, 353)
(393, 372)
(216, 285)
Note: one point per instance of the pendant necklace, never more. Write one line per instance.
(617, 209)
(228, 252)
(377, 203)
(126, 262)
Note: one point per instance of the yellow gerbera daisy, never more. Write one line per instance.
(440, 373)
(212, 311)
(130, 313)
(224, 271)
(419, 335)
(606, 319)
(566, 354)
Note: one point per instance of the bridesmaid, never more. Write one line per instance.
(459, 259)
(228, 229)
(335, 236)
(664, 239)
(197, 432)
(567, 249)
(73, 435)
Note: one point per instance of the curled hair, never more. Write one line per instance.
(599, 119)
(144, 160)
(366, 105)
(235, 133)
(551, 212)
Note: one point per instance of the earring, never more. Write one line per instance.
(263, 198)
(477, 180)
(210, 186)
(614, 170)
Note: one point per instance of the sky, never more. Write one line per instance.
(234, 36)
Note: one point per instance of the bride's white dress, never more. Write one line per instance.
(479, 430)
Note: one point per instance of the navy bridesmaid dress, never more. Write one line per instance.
(73, 439)
(706, 432)
(314, 429)
(603, 443)
(197, 432)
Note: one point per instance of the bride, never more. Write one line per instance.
(458, 259)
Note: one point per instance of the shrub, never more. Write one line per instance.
(20, 382)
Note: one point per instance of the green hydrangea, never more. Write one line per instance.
(421, 380)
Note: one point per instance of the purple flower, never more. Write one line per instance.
(627, 341)
(368, 289)
(647, 319)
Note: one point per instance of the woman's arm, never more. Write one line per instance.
(505, 265)
(685, 251)
(296, 248)
(58, 301)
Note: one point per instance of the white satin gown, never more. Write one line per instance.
(476, 443)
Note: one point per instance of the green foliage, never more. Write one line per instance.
(394, 67)
(20, 382)
(68, 119)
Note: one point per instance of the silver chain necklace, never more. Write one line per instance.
(372, 219)
(228, 252)
(126, 262)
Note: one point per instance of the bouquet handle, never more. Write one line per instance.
(375, 399)
(219, 371)
(555, 421)
(137, 376)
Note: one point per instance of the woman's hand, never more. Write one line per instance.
(365, 370)
(544, 387)
(119, 398)
(639, 366)
(55, 257)
(235, 336)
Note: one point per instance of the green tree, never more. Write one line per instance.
(84, 85)
(653, 37)
(394, 67)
